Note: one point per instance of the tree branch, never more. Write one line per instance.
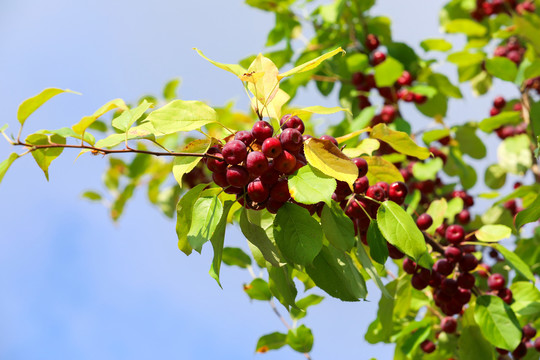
(434, 245)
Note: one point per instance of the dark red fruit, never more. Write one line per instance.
(409, 266)
(418, 282)
(273, 205)
(292, 122)
(361, 185)
(244, 136)
(424, 221)
(468, 262)
(215, 165)
(280, 191)
(463, 296)
(372, 42)
(496, 282)
(514, 56)
(529, 332)
(499, 102)
(343, 189)
(257, 191)
(234, 152)
(537, 344)
(394, 253)
(362, 166)
(256, 163)
(331, 138)
(397, 192)
(376, 192)
(262, 131)
(378, 57)
(270, 177)
(237, 176)
(506, 295)
(285, 162)
(388, 114)
(271, 147)
(220, 178)
(420, 99)
(464, 217)
(443, 267)
(405, 79)
(452, 253)
(494, 111)
(291, 139)
(454, 234)
(466, 280)
(449, 287)
(449, 325)
(427, 346)
(520, 351)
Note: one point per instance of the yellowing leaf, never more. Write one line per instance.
(400, 141)
(86, 121)
(365, 147)
(273, 108)
(30, 105)
(184, 164)
(232, 68)
(181, 115)
(382, 170)
(354, 134)
(252, 77)
(326, 157)
(264, 87)
(319, 110)
(311, 64)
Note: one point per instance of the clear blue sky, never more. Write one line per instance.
(76, 286)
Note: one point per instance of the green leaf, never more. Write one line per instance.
(184, 164)
(465, 26)
(236, 257)
(218, 239)
(334, 272)
(378, 250)
(86, 121)
(469, 143)
(495, 176)
(444, 85)
(399, 141)
(4, 165)
(143, 131)
(481, 83)
(169, 91)
(207, 212)
(535, 122)
(282, 286)
(427, 170)
(400, 230)
(455, 206)
(387, 72)
(273, 341)
(303, 304)
(502, 67)
(362, 120)
(505, 118)
(455, 165)
(337, 227)
(92, 196)
(437, 210)
(310, 110)
(257, 236)
(357, 62)
(232, 68)
(300, 339)
(366, 263)
(435, 45)
(497, 322)
(527, 298)
(310, 186)
(30, 105)
(180, 115)
(428, 91)
(415, 339)
(472, 345)
(514, 154)
(433, 135)
(466, 58)
(515, 262)
(530, 214)
(258, 290)
(435, 107)
(312, 64)
(493, 233)
(380, 169)
(44, 157)
(365, 147)
(125, 120)
(533, 70)
(184, 212)
(298, 235)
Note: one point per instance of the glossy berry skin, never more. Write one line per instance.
(529, 332)
(362, 166)
(234, 152)
(424, 221)
(468, 262)
(496, 282)
(292, 122)
(494, 111)
(418, 282)
(291, 139)
(449, 287)
(273, 205)
(409, 266)
(443, 267)
(262, 131)
(452, 254)
(466, 280)
(256, 163)
(257, 191)
(397, 192)
(506, 295)
(216, 165)
(388, 114)
(454, 234)
(405, 79)
(237, 176)
(285, 162)
(378, 57)
(427, 346)
(331, 138)
(220, 178)
(375, 192)
(361, 185)
(280, 191)
(449, 325)
(394, 252)
(271, 147)
(372, 42)
(499, 102)
(244, 136)
(464, 217)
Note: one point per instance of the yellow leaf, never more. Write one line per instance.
(319, 110)
(326, 157)
(382, 170)
(311, 64)
(86, 121)
(184, 164)
(30, 105)
(365, 147)
(232, 68)
(251, 77)
(273, 108)
(399, 141)
(354, 134)
(266, 86)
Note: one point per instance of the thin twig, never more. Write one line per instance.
(435, 245)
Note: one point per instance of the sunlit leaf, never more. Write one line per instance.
(181, 115)
(233, 68)
(4, 165)
(184, 164)
(86, 121)
(380, 169)
(311, 64)
(326, 157)
(310, 186)
(30, 105)
(493, 233)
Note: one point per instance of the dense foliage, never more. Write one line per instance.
(373, 198)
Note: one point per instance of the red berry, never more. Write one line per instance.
(494, 111)
(454, 234)
(452, 253)
(215, 165)
(418, 282)
(291, 139)
(362, 166)
(464, 217)
(449, 287)
(220, 178)
(409, 266)
(343, 189)
(372, 42)
(273, 205)
(395, 254)
(280, 191)
(420, 99)
(262, 131)
(499, 102)
(256, 163)
(361, 185)
(506, 295)
(244, 136)
(428, 346)
(331, 138)
(537, 344)
(468, 262)
(424, 221)
(234, 152)
(514, 56)
(449, 325)
(378, 57)
(358, 79)
(292, 122)
(237, 176)
(443, 267)
(271, 147)
(463, 296)
(257, 191)
(375, 192)
(529, 332)
(397, 192)
(388, 114)
(520, 351)
(466, 280)
(496, 282)
(405, 79)
(285, 162)
(270, 177)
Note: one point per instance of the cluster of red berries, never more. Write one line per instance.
(513, 50)
(533, 84)
(506, 131)
(485, 9)
(254, 164)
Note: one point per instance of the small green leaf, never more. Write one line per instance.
(469, 142)
(465, 26)
(365, 147)
(435, 45)
(310, 186)
(337, 227)
(125, 120)
(303, 304)
(362, 120)
(4, 165)
(30, 105)
(91, 195)
(258, 290)
(455, 206)
(300, 339)
(236, 257)
(530, 214)
(466, 58)
(180, 115)
(378, 250)
(387, 72)
(380, 169)
(515, 262)
(493, 233)
(218, 239)
(312, 64)
(298, 235)
(366, 263)
(400, 230)
(435, 107)
(86, 121)
(169, 91)
(505, 118)
(481, 83)
(497, 322)
(495, 176)
(399, 141)
(502, 67)
(282, 286)
(444, 85)
(427, 170)
(433, 135)
(273, 341)
(143, 131)
(232, 68)
(207, 212)
(415, 339)
(184, 212)
(437, 210)
(184, 164)
(514, 154)
(44, 157)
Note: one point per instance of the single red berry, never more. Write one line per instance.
(244, 136)
(514, 56)
(358, 78)
(537, 344)
(280, 191)
(361, 185)
(452, 253)
(397, 192)
(463, 296)
(494, 111)
(285, 162)
(449, 325)
(499, 102)
(405, 79)
(443, 267)
(362, 166)
(291, 139)
(372, 42)
(496, 282)
(215, 165)
(262, 131)
(234, 152)
(454, 234)
(256, 163)
(273, 205)
(375, 192)
(428, 346)
(464, 217)
(388, 114)
(378, 57)
(331, 138)
(395, 253)
(520, 351)
(466, 280)
(468, 262)
(529, 332)
(343, 189)
(220, 178)
(449, 287)
(409, 266)
(257, 191)
(237, 176)
(424, 221)
(420, 99)
(271, 147)
(506, 295)
(418, 282)
(292, 122)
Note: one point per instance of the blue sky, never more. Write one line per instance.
(77, 286)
